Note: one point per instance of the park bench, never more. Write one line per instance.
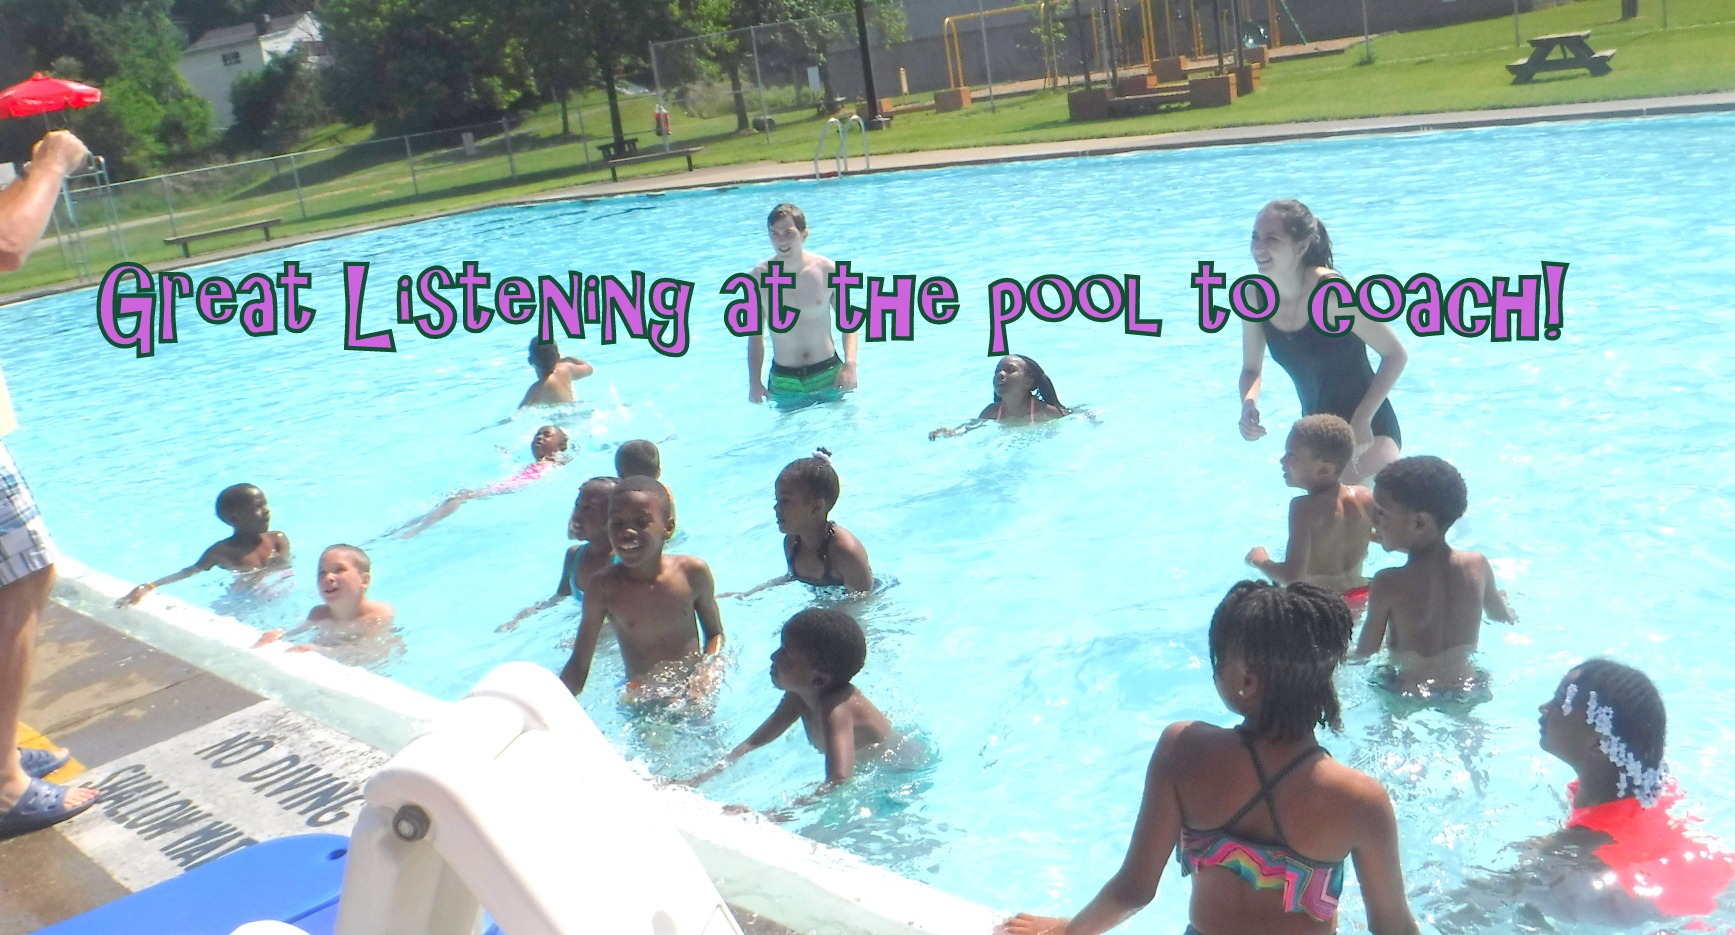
(185, 239)
(687, 152)
(1575, 53)
(1150, 102)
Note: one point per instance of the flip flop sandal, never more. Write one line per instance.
(43, 804)
(39, 763)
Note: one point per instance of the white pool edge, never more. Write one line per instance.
(801, 884)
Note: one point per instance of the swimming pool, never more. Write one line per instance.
(1054, 584)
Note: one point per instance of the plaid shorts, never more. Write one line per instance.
(24, 544)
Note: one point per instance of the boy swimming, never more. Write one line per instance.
(1433, 605)
(554, 375)
(253, 547)
(349, 626)
(822, 650)
(1330, 524)
(804, 363)
(589, 525)
(546, 448)
(660, 603)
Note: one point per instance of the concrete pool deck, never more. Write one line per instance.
(758, 172)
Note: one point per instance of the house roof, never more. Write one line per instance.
(234, 35)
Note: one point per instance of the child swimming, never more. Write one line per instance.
(1023, 395)
(554, 375)
(1433, 605)
(589, 525)
(1266, 846)
(1330, 524)
(545, 448)
(641, 458)
(253, 547)
(822, 650)
(348, 626)
(819, 552)
(660, 603)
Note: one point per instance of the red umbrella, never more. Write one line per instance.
(41, 95)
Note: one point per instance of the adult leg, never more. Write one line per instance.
(20, 602)
(1365, 465)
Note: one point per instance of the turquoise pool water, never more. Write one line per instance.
(1054, 584)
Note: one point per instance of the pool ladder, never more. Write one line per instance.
(841, 160)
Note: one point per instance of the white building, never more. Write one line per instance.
(213, 62)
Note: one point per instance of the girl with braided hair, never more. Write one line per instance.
(818, 551)
(1266, 847)
(1023, 395)
(1606, 721)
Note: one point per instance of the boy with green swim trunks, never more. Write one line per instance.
(804, 362)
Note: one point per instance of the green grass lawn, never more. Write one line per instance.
(1447, 69)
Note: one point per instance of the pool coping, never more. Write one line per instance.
(770, 872)
(765, 172)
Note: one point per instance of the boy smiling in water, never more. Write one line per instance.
(659, 603)
(356, 629)
(254, 546)
(1330, 524)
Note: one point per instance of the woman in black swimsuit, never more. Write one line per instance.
(1331, 372)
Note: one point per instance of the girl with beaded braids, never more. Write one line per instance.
(818, 551)
(1023, 395)
(1259, 815)
(1606, 721)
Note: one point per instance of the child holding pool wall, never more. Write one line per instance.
(819, 552)
(589, 525)
(1330, 524)
(1433, 605)
(660, 603)
(254, 546)
(822, 650)
(1266, 846)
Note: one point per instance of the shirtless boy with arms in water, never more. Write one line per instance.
(658, 603)
(1434, 604)
(554, 375)
(1330, 524)
(253, 547)
(804, 361)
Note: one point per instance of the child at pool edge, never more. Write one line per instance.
(554, 375)
(1023, 395)
(654, 598)
(545, 447)
(822, 650)
(1330, 524)
(807, 489)
(1273, 651)
(589, 525)
(640, 458)
(253, 547)
(349, 621)
(1433, 605)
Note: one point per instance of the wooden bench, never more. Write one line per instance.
(186, 239)
(687, 152)
(1149, 103)
(619, 149)
(1575, 53)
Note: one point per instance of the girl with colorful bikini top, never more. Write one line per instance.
(1258, 815)
(1023, 395)
(1627, 859)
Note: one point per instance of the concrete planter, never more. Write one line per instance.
(1248, 79)
(1258, 55)
(1130, 85)
(950, 99)
(1088, 105)
(1169, 70)
(1212, 92)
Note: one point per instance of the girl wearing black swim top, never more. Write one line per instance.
(819, 551)
(1023, 395)
(1259, 816)
(1331, 372)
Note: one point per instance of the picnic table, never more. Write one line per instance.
(1575, 53)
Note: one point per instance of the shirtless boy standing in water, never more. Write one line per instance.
(1330, 524)
(804, 362)
(1434, 604)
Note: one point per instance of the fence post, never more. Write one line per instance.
(511, 164)
(169, 200)
(410, 159)
(296, 173)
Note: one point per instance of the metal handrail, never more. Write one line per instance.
(840, 161)
(823, 131)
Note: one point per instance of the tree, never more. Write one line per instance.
(274, 105)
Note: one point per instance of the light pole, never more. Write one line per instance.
(874, 120)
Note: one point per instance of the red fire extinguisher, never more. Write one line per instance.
(661, 119)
